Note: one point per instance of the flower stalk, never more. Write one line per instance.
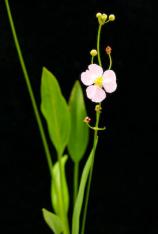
(90, 175)
(98, 45)
(30, 91)
(96, 94)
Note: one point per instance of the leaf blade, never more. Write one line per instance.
(53, 221)
(56, 187)
(80, 196)
(79, 133)
(53, 105)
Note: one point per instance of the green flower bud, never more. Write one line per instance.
(98, 108)
(93, 53)
(111, 17)
(101, 18)
(98, 15)
(104, 17)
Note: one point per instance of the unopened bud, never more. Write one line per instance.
(108, 50)
(104, 17)
(98, 108)
(111, 17)
(87, 119)
(98, 15)
(101, 18)
(93, 53)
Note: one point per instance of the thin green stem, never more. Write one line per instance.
(27, 80)
(87, 198)
(90, 176)
(94, 128)
(76, 174)
(110, 59)
(107, 21)
(63, 211)
(92, 59)
(98, 45)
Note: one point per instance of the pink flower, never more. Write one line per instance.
(99, 83)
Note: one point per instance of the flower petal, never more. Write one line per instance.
(109, 81)
(87, 77)
(96, 69)
(95, 93)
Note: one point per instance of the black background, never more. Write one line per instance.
(59, 35)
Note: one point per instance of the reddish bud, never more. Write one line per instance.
(108, 50)
(87, 119)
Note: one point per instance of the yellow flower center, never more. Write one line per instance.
(99, 81)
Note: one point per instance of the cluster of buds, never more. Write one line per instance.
(103, 18)
(87, 119)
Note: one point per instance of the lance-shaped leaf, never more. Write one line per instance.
(55, 111)
(53, 221)
(80, 196)
(79, 134)
(56, 193)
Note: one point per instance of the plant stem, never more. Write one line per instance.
(95, 136)
(76, 173)
(90, 176)
(110, 59)
(27, 80)
(92, 59)
(98, 45)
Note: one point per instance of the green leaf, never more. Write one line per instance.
(53, 221)
(80, 196)
(56, 193)
(55, 111)
(79, 134)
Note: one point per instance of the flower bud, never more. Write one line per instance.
(101, 18)
(111, 17)
(104, 17)
(108, 50)
(98, 108)
(87, 119)
(93, 53)
(98, 15)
